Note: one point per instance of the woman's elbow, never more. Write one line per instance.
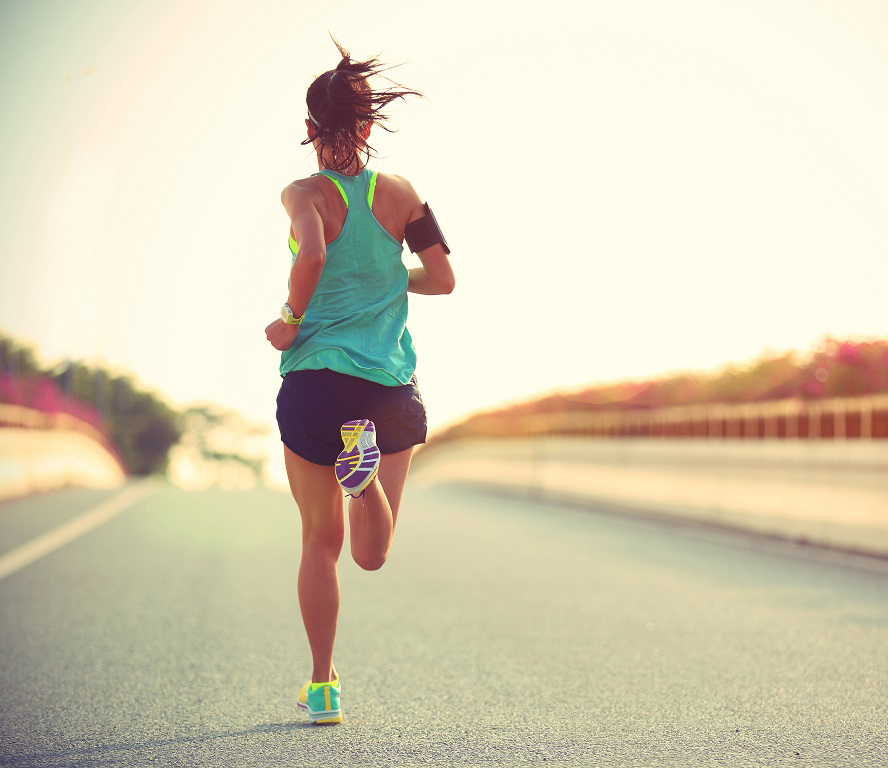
(445, 280)
(447, 284)
(315, 257)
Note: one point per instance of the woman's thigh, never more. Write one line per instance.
(393, 468)
(319, 498)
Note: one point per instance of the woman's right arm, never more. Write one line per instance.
(435, 276)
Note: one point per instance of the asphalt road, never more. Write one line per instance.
(502, 632)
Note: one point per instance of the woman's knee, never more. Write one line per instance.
(327, 539)
(369, 561)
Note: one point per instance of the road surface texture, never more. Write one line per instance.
(502, 632)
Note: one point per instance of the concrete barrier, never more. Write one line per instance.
(36, 460)
(829, 493)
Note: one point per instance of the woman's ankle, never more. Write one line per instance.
(325, 676)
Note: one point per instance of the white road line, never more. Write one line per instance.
(53, 539)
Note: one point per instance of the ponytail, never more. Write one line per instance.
(341, 104)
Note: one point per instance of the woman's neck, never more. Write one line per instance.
(347, 172)
(353, 168)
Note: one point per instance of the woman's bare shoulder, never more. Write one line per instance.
(399, 185)
(301, 187)
(402, 193)
(302, 192)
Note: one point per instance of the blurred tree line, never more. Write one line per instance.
(137, 424)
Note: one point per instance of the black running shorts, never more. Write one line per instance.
(313, 405)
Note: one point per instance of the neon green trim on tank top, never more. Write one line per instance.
(294, 246)
(372, 189)
(338, 186)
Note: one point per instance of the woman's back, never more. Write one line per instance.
(356, 321)
(394, 203)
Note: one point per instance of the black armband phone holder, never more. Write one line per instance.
(424, 232)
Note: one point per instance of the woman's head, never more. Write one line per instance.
(342, 106)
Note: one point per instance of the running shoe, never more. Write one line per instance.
(321, 701)
(358, 463)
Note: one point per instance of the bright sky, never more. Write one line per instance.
(629, 188)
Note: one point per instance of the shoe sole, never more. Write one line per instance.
(358, 463)
(322, 718)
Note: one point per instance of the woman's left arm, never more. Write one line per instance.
(307, 229)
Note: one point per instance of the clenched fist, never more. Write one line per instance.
(281, 334)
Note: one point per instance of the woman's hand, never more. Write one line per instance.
(282, 335)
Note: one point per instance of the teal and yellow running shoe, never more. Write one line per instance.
(358, 463)
(321, 701)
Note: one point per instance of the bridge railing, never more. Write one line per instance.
(835, 418)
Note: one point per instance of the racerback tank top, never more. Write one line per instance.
(356, 322)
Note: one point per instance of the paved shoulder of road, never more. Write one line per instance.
(501, 632)
(830, 493)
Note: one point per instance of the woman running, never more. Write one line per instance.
(349, 409)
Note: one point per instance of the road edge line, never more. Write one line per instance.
(63, 534)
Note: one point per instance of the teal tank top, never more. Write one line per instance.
(356, 322)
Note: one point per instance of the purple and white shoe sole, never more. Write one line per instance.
(358, 463)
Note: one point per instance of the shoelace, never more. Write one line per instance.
(362, 496)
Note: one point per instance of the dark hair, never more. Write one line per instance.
(341, 103)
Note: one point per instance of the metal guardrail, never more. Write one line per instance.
(863, 417)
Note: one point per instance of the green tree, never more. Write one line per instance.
(139, 425)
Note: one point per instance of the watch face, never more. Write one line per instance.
(286, 313)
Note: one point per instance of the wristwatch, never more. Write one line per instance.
(289, 318)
